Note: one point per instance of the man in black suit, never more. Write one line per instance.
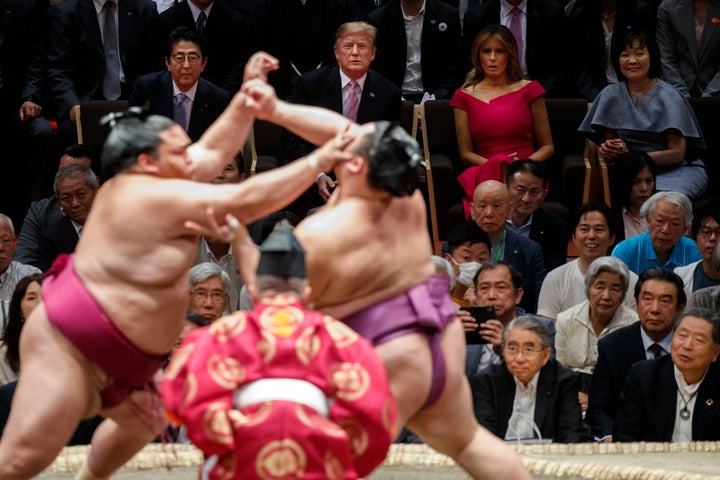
(30, 146)
(527, 183)
(224, 34)
(77, 56)
(331, 87)
(428, 60)
(52, 225)
(545, 54)
(528, 386)
(660, 298)
(675, 398)
(179, 92)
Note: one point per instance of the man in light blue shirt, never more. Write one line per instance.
(668, 216)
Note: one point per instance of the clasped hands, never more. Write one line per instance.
(613, 148)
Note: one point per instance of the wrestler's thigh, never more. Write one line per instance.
(408, 364)
(450, 424)
(53, 394)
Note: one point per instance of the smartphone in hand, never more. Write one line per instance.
(481, 315)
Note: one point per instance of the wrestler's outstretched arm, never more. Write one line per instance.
(227, 135)
(317, 125)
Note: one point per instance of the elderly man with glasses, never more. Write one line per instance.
(529, 394)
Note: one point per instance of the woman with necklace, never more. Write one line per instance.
(643, 113)
(597, 28)
(499, 116)
(676, 397)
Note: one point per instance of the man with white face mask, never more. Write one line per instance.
(466, 251)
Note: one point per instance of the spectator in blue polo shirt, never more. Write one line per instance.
(668, 216)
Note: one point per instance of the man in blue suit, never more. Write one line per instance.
(660, 298)
(490, 209)
(201, 102)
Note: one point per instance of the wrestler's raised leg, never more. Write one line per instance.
(449, 426)
(127, 428)
(53, 394)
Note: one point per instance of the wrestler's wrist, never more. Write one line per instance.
(314, 163)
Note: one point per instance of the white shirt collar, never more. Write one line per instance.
(189, 94)
(532, 384)
(196, 11)
(344, 80)
(421, 12)
(506, 8)
(99, 4)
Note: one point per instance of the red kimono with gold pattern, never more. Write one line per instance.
(281, 439)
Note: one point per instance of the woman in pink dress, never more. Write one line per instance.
(499, 116)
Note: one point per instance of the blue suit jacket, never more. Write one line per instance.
(156, 90)
(380, 101)
(557, 410)
(648, 404)
(45, 234)
(617, 352)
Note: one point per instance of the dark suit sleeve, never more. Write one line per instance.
(628, 424)
(601, 395)
(483, 395)
(60, 63)
(37, 64)
(139, 95)
(555, 253)
(295, 146)
(569, 427)
(538, 272)
(28, 246)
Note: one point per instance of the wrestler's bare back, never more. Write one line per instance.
(361, 251)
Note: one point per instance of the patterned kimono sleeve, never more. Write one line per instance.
(199, 384)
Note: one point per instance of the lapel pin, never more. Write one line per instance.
(709, 402)
(442, 27)
(433, 21)
(372, 94)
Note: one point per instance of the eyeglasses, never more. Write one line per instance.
(708, 232)
(192, 58)
(512, 351)
(201, 295)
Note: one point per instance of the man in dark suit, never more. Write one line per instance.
(201, 102)
(30, 147)
(224, 34)
(660, 298)
(52, 225)
(330, 87)
(490, 209)
(527, 183)
(545, 48)
(528, 386)
(77, 53)
(689, 65)
(675, 398)
(434, 47)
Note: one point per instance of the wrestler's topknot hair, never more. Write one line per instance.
(392, 157)
(131, 136)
